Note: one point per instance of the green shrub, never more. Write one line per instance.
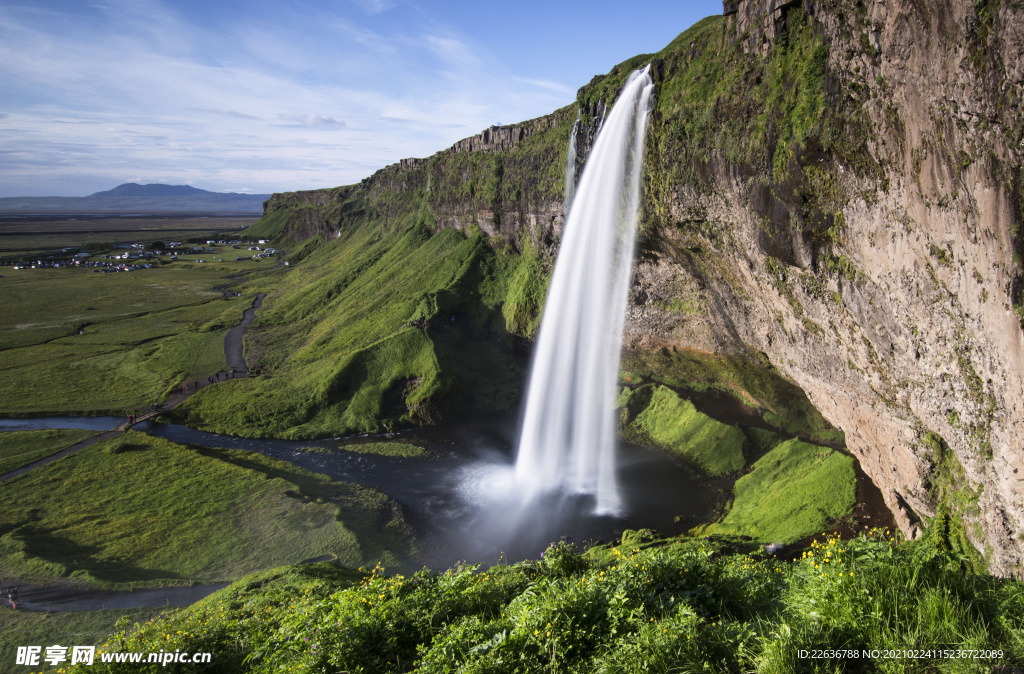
(678, 605)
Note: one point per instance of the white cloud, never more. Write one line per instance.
(98, 96)
(452, 50)
(310, 120)
(550, 85)
(375, 6)
(226, 113)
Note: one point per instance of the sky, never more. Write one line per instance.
(263, 97)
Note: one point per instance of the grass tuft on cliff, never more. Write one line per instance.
(655, 415)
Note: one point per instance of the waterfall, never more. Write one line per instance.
(570, 167)
(567, 443)
(604, 114)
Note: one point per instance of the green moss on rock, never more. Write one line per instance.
(795, 490)
(673, 423)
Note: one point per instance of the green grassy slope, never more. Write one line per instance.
(656, 415)
(795, 490)
(379, 328)
(138, 509)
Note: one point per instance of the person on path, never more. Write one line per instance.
(12, 596)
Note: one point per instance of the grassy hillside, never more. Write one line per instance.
(376, 328)
(642, 606)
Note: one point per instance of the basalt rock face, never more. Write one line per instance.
(836, 188)
(504, 181)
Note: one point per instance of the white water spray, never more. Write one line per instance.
(568, 439)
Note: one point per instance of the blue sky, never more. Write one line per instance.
(272, 96)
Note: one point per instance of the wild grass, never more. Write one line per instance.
(661, 606)
(795, 490)
(18, 448)
(403, 449)
(142, 510)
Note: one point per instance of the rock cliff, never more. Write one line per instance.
(887, 285)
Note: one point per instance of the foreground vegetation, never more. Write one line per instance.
(642, 606)
(139, 510)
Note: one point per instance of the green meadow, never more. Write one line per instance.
(141, 510)
(72, 340)
(18, 448)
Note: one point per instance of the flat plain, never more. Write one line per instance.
(78, 340)
(25, 232)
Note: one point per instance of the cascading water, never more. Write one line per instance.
(567, 442)
(570, 167)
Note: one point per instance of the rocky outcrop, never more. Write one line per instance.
(758, 22)
(492, 139)
(499, 138)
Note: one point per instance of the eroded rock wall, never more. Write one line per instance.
(903, 330)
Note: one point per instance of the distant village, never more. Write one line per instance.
(125, 257)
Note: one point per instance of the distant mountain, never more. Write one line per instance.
(135, 197)
(153, 190)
